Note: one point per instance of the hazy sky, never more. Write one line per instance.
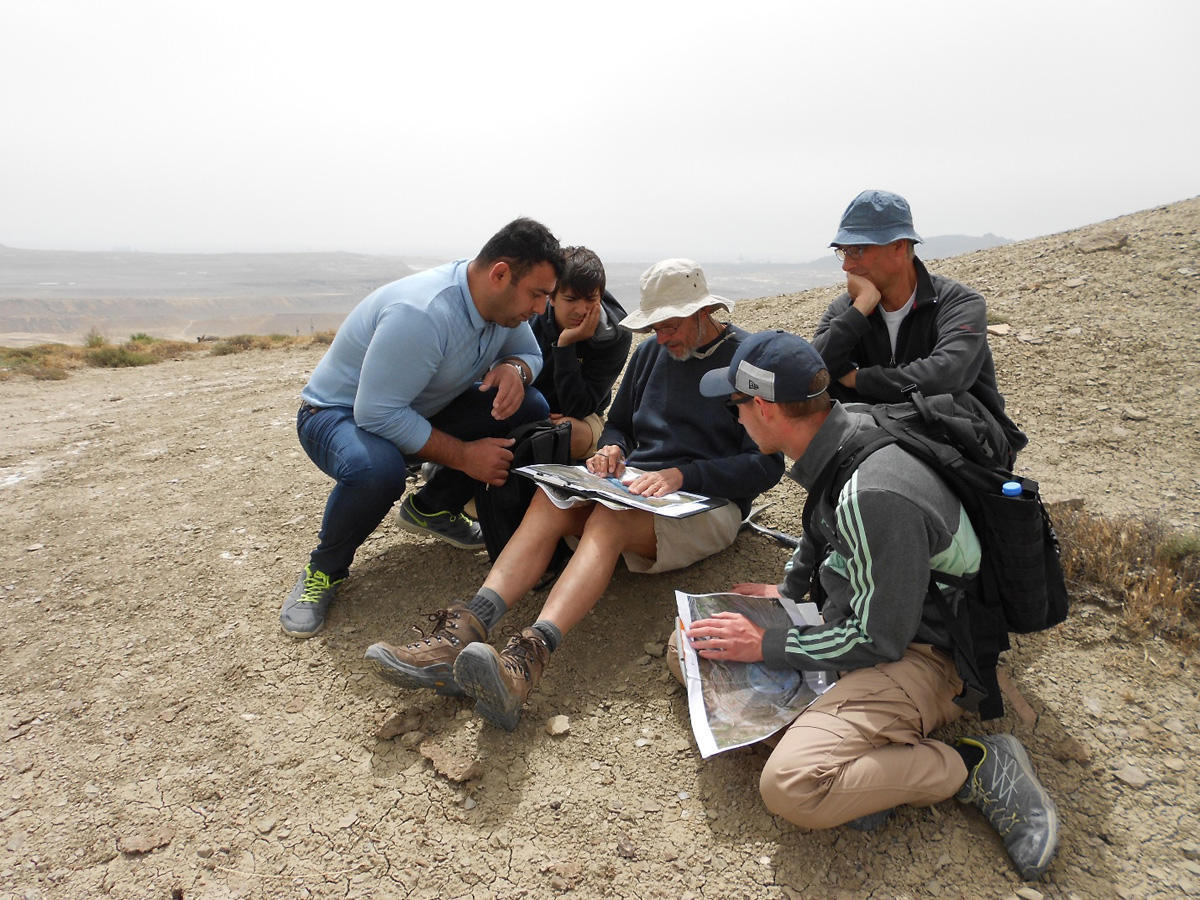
(647, 129)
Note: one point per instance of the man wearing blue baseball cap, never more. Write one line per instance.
(898, 328)
(863, 747)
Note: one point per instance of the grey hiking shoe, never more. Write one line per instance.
(303, 612)
(500, 682)
(453, 528)
(429, 662)
(1008, 793)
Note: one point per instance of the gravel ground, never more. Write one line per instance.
(161, 738)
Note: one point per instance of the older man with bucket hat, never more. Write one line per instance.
(898, 328)
(658, 423)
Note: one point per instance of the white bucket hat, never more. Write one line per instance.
(673, 288)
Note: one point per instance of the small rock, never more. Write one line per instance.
(1175, 764)
(450, 765)
(653, 648)
(1133, 776)
(1000, 329)
(347, 820)
(400, 723)
(558, 725)
(1186, 271)
(1190, 850)
(1174, 725)
(1074, 282)
(265, 826)
(1133, 414)
(625, 847)
(411, 739)
(558, 883)
(1028, 893)
(1071, 749)
(1102, 240)
(145, 841)
(641, 742)
(468, 803)
(33, 548)
(204, 852)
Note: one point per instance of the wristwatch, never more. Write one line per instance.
(520, 370)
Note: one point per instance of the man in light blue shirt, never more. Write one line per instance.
(434, 367)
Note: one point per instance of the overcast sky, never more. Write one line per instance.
(715, 131)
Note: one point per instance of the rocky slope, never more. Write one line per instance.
(161, 738)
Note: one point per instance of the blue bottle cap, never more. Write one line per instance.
(1011, 489)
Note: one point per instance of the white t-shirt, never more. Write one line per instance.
(893, 319)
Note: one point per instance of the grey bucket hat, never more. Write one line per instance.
(876, 217)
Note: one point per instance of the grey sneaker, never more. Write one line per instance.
(429, 663)
(303, 612)
(453, 528)
(1007, 792)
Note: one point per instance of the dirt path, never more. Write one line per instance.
(161, 738)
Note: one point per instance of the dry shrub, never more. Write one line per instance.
(322, 337)
(1153, 573)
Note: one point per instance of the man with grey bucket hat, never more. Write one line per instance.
(658, 423)
(898, 328)
(863, 747)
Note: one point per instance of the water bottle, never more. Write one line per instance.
(1011, 489)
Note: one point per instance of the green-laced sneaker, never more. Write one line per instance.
(303, 611)
(1005, 789)
(453, 528)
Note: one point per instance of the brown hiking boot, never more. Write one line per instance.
(429, 663)
(500, 682)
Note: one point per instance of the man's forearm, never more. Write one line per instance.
(445, 449)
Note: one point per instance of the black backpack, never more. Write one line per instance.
(1020, 585)
(500, 509)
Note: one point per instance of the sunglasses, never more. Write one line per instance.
(734, 402)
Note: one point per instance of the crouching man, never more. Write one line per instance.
(864, 747)
(658, 423)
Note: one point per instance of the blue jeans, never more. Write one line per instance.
(370, 471)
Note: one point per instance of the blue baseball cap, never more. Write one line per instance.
(876, 217)
(774, 365)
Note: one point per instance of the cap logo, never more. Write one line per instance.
(750, 379)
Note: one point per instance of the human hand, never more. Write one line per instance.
(756, 589)
(656, 484)
(608, 460)
(488, 459)
(584, 330)
(850, 379)
(510, 390)
(864, 293)
(727, 636)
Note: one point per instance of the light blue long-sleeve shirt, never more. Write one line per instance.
(408, 349)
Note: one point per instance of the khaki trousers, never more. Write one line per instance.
(863, 746)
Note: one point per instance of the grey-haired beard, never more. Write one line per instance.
(723, 332)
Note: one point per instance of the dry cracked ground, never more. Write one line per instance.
(159, 737)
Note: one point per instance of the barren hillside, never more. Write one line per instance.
(162, 738)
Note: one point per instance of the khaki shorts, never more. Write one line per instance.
(682, 542)
(595, 422)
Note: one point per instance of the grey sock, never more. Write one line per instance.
(489, 607)
(550, 632)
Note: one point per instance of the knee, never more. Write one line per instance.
(795, 791)
(383, 475)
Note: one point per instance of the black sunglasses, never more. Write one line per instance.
(735, 401)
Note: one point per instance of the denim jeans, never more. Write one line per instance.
(370, 471)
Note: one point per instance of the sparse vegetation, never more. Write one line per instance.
(1152, 573)
(51, 362)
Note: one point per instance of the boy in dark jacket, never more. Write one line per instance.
(583, 349)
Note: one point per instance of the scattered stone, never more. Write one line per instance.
(641, 742)
(1186, 271)
(558, 725)
(1190, 850)
(1028, 893)
(204, 852)
(450, 765)
(33, 548)
(625, 848)
(1102, 240)
(654, 648)
(265, 826)
(1074, 282)
(347, 820)
(1134, 414)
(1000, 329)
(400, 723)
(468, 803)
(411, 739)
(1175, 764)
(1174, 725)
(1133, 776)
(1071, 749)
(145, 841)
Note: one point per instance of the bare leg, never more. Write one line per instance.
(607, 535)
(528, 552)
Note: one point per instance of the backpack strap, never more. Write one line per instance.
(976, 687)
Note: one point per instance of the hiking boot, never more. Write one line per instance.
(303, 611)
(1007, 792)
(500, 682)
(429, 663)
(453, 528)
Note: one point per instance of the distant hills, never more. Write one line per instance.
(60, 295)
